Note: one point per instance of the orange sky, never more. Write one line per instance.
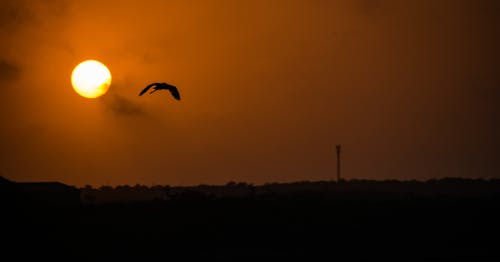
(409, 88)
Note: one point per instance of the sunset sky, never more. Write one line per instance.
(411, 90)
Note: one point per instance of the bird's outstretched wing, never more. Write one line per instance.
(147, 88)
(175, 93)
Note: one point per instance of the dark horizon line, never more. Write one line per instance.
(236, 183)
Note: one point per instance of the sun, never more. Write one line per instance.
(91, 79)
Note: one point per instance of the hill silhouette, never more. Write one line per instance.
(443, 219)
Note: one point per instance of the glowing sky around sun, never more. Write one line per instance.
(409, 88)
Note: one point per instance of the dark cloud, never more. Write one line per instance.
(8, 71)
(17, 13)
(7, 13)
(122, 106)
(13, 13)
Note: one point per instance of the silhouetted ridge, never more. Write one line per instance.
(40, 192)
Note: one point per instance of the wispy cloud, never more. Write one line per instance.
(122, 106)
(8, 71)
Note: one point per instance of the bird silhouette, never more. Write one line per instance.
(162, 86)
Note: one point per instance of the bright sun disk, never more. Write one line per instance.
(91, 79)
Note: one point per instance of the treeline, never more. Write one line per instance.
(345, 189)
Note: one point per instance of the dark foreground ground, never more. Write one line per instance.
(345, 225)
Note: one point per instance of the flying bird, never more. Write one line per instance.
(162, 86)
